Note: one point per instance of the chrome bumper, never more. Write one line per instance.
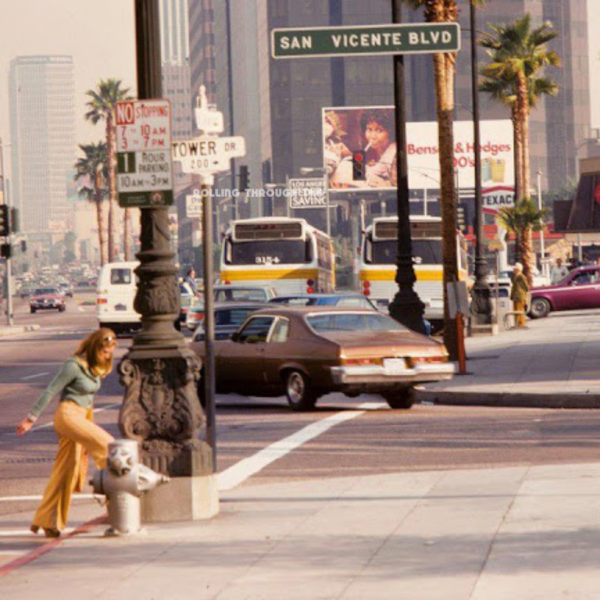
(357, 375)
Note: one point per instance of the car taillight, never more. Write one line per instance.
(366, 284)
(428, 359)
(227, 283)
(101, 301)
(310, 282)
(310, 290)
(355, 362)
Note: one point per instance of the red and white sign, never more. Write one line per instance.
(495, 198)
(143, 125)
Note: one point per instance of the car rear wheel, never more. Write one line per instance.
(32, 310)
(400, 399)
(540, 307)
(62, 308)
(300, 394)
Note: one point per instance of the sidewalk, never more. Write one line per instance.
(16, 329)
(555, 363)
(524, 533)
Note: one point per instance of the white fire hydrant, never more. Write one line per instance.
(123, 482)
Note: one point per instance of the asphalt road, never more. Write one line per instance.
(377, 440)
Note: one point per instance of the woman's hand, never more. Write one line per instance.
(24, 426)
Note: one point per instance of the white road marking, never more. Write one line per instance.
(20, 532)
(39, 497)
(242, 470)
(80, 309)
(34, 376)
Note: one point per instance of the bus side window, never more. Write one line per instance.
(227, 252)
(368, 250)
(309, 253)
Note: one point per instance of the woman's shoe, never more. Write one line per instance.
(34, 528)
(51, 533)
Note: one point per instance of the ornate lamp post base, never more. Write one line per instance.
(161, 411)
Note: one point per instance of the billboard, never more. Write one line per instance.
(371, 130)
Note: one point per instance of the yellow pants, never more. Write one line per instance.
(519, 307)
(76, 434)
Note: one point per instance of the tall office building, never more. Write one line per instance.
(175, 58)
(42, 109)
(286, 97)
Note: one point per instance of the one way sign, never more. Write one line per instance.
(206, 155)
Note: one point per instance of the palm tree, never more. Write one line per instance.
(444, 64)
(517, 54)
(93, 167)
(521, 220)
(102, 105)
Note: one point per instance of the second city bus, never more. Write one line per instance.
(378, 262)
(283, 253)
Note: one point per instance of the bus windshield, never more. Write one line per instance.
(425, 252)
(269, 252)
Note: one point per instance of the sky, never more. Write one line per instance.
(101, 38)
(99, 35)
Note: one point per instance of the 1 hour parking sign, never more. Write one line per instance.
(144, 166)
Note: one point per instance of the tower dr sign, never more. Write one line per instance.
(144, 166)
(405, 38)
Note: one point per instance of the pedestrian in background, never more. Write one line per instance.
(77, 382)
(558, 272)
(519, 293)
(190, 279)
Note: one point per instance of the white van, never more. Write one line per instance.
(115, 295)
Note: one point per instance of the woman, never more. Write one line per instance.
(380, 151)
(519, 293)
(77, 382)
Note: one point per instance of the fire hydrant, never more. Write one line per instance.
(123, 482)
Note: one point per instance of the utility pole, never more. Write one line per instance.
(6, 199)
(406, 307)
(481, 307)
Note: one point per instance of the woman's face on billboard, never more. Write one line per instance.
(377, 136)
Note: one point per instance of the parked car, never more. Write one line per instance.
(26, 290)
(340, 300)
(243, 293)
(579, 290)
(307, 352)
(228, 318)
(47, 299)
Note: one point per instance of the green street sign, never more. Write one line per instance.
(367, 40)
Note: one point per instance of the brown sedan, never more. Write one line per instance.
(311, 351)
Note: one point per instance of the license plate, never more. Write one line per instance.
(394, 365)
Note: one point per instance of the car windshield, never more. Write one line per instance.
(45, 291)
(240, 294)
(331, 322)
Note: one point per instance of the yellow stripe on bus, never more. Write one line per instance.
(269, 274)
(425, 275)
(422, 275)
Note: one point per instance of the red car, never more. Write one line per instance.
(47, 299)
(579, 290)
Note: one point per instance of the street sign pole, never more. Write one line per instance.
(209, 381)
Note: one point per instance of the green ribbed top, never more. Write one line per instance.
(73, 382)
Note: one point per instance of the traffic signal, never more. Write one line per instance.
(359, 171)
(244, 178)
(14, 220)
(4, 221)
(5, 250)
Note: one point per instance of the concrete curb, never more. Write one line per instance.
(508, 400)
(8, 331)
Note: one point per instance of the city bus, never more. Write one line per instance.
(378, 262)
(283, 253)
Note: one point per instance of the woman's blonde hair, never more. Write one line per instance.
(89, 351)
